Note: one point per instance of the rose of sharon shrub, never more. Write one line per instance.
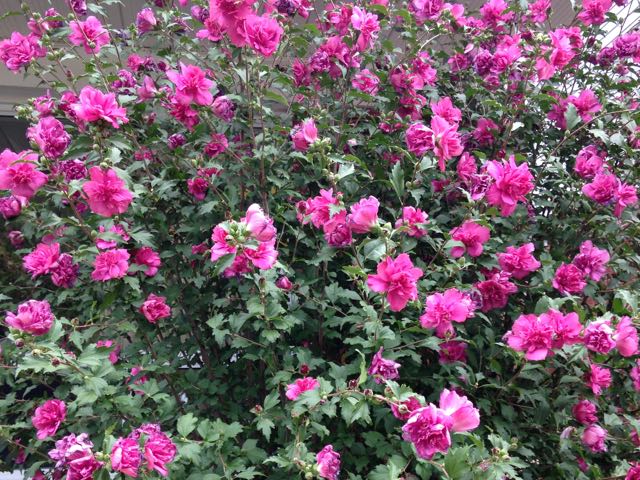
(285, 239)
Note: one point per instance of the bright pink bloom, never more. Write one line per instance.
(446, 140)
(405, 408)
(221, 245)
(148, 257)
(229, 12)
(11, 206)
(519, 261)
(198, 187)
(19, 50)
(317, 209)
(126, 457)
(110, 264)
(586, 104)
(585, 412)
(495, 291)
(304, 135)
(441, 309)
(598, 336)
(147, 89)
(412, 220)
(90, 33)
(593, 11)
(18, 173)
(634, 374)
(419, 139)
(493, 12)
(602, 188)
(445, 109)
(192, 85)
(48, 417)
(33, 317)
(159, 450)
(397, 278)
(589, 162)
(260, 226)
(452, 351)
(42, 260)
(511, 183)
(366, 81)
(464, 415)
(93, 106)
(264, 257)
(539, 10)
(598, 378)
(592, 260)
(328, 463)
(364, 215)
(154, 308)
(337, 231)
(485, 131)
(263, 34)
(367, 24)
(116, 229)
(382, 369)
(65, 273)
(532, 335)
(106, 192)
(569, 279)
(472, 235)
(300, 386)
(113, 354)
(625, 196)
(634, 472)
(626, 337)
(283, 283)
(566, 328)
(593, 438)
(50, 136)
(428, 429)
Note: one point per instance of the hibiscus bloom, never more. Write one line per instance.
(397, 278)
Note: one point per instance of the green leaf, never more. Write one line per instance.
(186, 424)
(397, 179)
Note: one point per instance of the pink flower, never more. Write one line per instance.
(145, 21)
(217, 145)
(495, 291)
(538, 11)
(367, 24)
(634, 374)
(519, 261)
(11, 206)
(452, 351)
(148, 257)
(397, 278)
(337, 231)
(223, 108)
(585, 412)
(472, 235)
(446, 140)
(328, 463)
(110, 264)
(93, 106)
(566, 328)
(192, 85)
(589, 162)
(19, 50)
(50, 136)
(634, 472)
(264, 257)
(48, 417)
(283, 283)
(602, 188)
(198, 187)
(304, 135)
(593, 438)
(106, 192)
(159, 450)
(125, 456)
(117, 229)
(229, 12)
(485, 131)
(19, 174)
(532, 335)
(366, 81)
(412, 219)
(263, 34)
(42, 260)
(586, 104)
(593, 11)
(382, 369)
(65, 273)
(221, 245)
(34, 317)
(428, 429)
(625, 196)
(301, 385)
(113, 354)
(626, 337)
(260, 226)
(591, 260)
(154, 308)
(598, 378)
(317, 209)
(405, 408)
(568, 279)
(445, 109)
(90, 33)
(464, 415)
(598, 336)
(441, 309)
(419, 139)
(511, 183)
(364, 215)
